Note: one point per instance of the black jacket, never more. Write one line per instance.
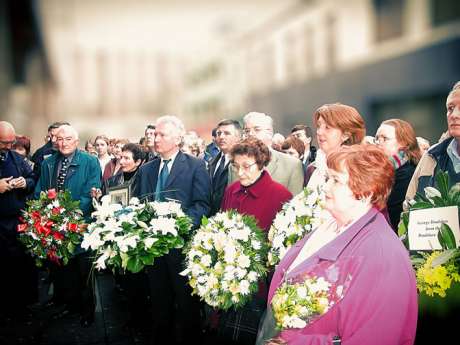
(14, 200)
(395, 201)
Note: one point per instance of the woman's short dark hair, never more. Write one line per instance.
(136, 150)
(306, 129)
(294, 142)
(22, 141)
(252, 147)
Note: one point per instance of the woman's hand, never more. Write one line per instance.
(96, 193)
(275, 341)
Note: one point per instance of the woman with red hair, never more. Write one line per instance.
(397, 139)
(358, 255)
(336, 125)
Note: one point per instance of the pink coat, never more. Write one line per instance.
(379, 306)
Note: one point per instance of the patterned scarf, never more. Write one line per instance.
(399, 159)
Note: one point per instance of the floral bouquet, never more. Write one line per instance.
(52, 227)
(437, 272)
(298, 217)
(131, 237)
(225, 259)
(299, 301)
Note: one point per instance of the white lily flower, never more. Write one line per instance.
(149, 241)
(126, 242)
(431, 192)
(134, 201)
(164, 226)
(92, 240)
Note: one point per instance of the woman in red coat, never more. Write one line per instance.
(256, 194)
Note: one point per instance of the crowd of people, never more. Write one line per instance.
(254, 170)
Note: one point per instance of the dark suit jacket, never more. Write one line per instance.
(218, 183)
(188, 182)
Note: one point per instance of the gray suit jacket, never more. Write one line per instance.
(283, 169)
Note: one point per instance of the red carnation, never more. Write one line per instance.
(56, 210)
(52, 193)
(72, 227)
(38, 227)
(58, 236)
(53, 257)
(36, 215)
(22, 227)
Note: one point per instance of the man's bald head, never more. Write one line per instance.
(7, 136)
(7, 132)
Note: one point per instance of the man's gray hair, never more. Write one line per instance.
(254, 116)
(456, 86)
(70, 129)
(175, 121)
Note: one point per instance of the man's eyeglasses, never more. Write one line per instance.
(11, 142)
(244, 167)
(248, 131)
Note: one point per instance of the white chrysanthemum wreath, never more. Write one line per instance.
(225, 259)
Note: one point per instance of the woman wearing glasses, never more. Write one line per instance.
(256, 194)
(397, 139)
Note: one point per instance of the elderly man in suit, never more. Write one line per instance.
(283, 168)
(228, 133)
(177, 176)
(78, 172)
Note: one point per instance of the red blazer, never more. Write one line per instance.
(109, 169)
(263, 199)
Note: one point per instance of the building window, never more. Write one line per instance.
(444, 11)
(389, 19)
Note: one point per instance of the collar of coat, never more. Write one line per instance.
(332, 250)
(257, 188)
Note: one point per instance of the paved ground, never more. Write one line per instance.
(108, 329)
